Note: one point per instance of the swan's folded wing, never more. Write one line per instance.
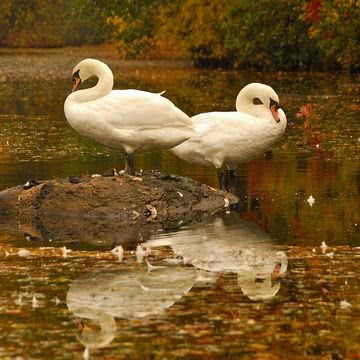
(218, 134)
(205, 122)
(218, 127)
(140, 110)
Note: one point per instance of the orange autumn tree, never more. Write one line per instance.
(263, 34)
(193, 28)
(335, 25)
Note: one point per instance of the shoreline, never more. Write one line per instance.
(109, 52)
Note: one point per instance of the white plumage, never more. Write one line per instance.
(129, 119)
(225, 139)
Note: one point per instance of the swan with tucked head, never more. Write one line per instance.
(225, 139)
(128, 119)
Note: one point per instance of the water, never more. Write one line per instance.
(251, 284)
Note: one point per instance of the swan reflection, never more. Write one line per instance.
(102, 296)
(230, 244)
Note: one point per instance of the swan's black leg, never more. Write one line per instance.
(226, 179)
(231, 181)
(221, 178)
(130, 164)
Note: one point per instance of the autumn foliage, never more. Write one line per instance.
(263, 34)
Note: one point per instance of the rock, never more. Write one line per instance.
(102, 209)
(29, 184)
(111, 172)
(74, 180)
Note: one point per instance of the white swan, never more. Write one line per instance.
(225, 139)
(129, 119)
(241, 248)
(102, 296)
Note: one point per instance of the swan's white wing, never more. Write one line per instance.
(226, 138)
(204, 122)
(207, 147)
(134, 120)
(135, 109)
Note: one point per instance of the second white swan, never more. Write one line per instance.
(225, 139)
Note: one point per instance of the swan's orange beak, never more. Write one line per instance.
(275, 112)
(76, 83)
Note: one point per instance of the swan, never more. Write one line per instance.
(129, 119)
(99, 297)
(229, 245)
(225, 139)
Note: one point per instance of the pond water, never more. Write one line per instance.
(250, 284)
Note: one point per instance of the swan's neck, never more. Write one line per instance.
(102, 88)
(242, 105)
(98, 338)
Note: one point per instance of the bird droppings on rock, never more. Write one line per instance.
(31, 183)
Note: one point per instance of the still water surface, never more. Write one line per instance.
(252, 284)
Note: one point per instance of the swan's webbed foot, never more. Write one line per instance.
(130, 164)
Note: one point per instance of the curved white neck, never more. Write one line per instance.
(244, 105)
(102, 88)
(94, 338)
(241, 104)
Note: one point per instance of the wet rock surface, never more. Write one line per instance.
(94, 207)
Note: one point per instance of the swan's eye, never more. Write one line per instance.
(274, 103)
(257, 101)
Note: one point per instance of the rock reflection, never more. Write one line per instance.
(97, 298)
(230, 244)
